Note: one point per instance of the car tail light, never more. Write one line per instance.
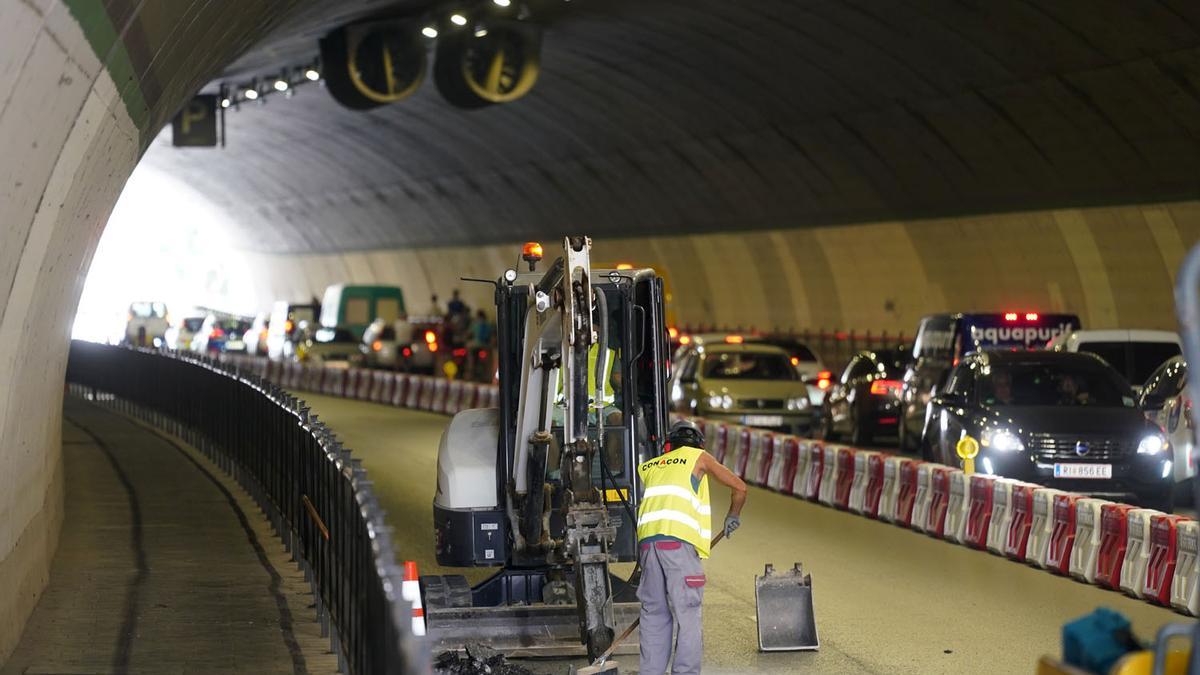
(376, 346)
(823, 379)
(885, 387)
(685, 339)
(460, 352)
(795, 360)
(430, 337)
(1010, 316)
(734, 339)
(407, 351)
(1031, 316)
(481, 354)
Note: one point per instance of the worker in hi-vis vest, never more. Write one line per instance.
(674, 532)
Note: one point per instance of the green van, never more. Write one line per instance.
(353, 308)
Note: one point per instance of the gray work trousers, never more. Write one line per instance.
(671, 592)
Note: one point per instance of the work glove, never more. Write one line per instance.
(732, 523)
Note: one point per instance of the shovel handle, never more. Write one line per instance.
(633, 626)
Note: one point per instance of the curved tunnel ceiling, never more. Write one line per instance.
(672, 116)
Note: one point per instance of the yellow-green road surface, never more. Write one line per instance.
(888, 600)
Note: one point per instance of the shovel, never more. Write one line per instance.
(598, 666)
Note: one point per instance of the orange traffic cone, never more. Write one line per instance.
(410, 589)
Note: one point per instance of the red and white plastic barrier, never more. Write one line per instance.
(979, 511)
(858, 481)
(874, 489)
(957, 507)
(1085, 551)
(1041, 526)
(1185, 588)
(816, 470)
(1137, 551)
(1020, 520)
(845, 478)
(889, 494)
(924, 496)
(1164, 554)
(906, 497)
(1113, 524)
(1062, 533)
(829, 474)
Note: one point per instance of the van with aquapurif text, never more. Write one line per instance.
(943, 339)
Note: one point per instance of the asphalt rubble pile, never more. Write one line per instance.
(476, 660)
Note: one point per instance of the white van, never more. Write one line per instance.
(1136, 354)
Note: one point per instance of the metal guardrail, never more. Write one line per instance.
(316, 495)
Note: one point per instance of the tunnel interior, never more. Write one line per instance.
(787, 164)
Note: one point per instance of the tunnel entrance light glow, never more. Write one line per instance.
(312, 75)
(429, 32)
(458, 19)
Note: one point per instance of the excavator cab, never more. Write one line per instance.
(545, 486)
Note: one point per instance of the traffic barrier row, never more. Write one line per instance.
(1141, 552)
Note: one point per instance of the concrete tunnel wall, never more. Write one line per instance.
(1114, 266)
(77, 108)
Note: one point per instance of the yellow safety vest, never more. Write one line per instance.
(607, 398)
(670, 507)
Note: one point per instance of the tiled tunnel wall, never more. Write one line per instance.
(1114, 266)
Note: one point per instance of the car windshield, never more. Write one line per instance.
(146, 310)
(1052, 384)
(1136, 360)
(748, 366)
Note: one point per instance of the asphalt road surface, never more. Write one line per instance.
(888, 600)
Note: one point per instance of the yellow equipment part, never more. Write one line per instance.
(1136, 663)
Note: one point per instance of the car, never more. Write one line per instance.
(1134, 353)
(256, 337)
(944, 339)
(1165, 401)
(179, 336)
(865, 401)
(221, 334)
(1059, 419)
(291, 323)
(389, 344)
(812, 370)
(147, 324)
(330, 346)
(751, 384)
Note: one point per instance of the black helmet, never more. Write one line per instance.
(685, 432)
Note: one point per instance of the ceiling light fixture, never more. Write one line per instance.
(429, 32)
(251, 94)
(458, 19)
(312, 74)
(225, 103)
(502, 3)
(281, 85)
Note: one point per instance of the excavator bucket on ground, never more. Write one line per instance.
(785, 610)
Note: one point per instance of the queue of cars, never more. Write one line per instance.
(1098, 412)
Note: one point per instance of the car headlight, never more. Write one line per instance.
(1152, 445)
(1001, 440)
(721, 401)
(798, 403)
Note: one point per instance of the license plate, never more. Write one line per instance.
(1083, 470)
(763, 420)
